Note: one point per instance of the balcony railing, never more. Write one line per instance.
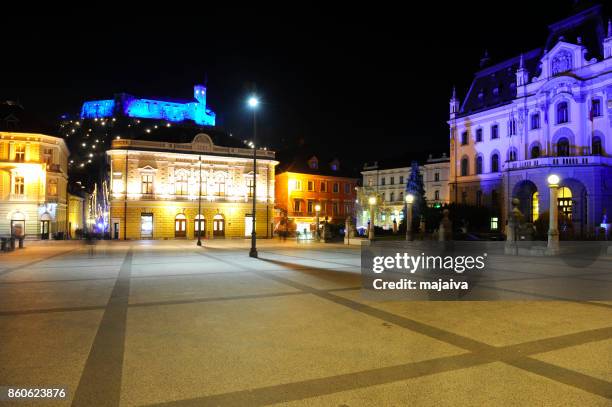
(557, 161)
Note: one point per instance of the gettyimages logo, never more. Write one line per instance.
(411, 264)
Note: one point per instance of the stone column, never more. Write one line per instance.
(553, 229)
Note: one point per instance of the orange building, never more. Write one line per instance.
(303, 184)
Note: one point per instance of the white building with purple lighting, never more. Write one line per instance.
(547, 111)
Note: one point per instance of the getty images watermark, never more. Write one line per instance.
(403, 262)
(475, 271)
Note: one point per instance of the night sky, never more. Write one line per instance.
(364, 83)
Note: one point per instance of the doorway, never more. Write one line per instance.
(44, 229)
(146, 226)
(218, 226)
(199, 227)
(180, 225)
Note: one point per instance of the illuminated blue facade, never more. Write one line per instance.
(172, 111)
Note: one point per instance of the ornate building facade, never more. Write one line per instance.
(33, 185)
(157, 187)
(388, 183)
(547, 111)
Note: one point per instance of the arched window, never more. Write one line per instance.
(563, 147)
(535, 151)
(512, 154)
(597, 148)
(495, 163)
(562, 113)
(464, 166)
(479, 164)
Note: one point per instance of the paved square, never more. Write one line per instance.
(168, 323)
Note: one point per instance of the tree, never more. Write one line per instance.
(415, 187)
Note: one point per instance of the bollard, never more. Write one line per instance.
(21, 242)
(12, 244)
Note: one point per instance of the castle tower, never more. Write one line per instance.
(199, 93)
(607, 42)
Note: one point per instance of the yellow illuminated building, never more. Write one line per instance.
(167, 181)
(33, 179)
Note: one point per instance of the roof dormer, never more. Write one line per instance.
(313, 163)
(564, 57)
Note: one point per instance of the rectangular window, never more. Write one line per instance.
(347, 208)
(494, 198)
(596, 107)
(478, 135)
(437, 195)
(323, 186)
(19, 186)
(512, 127)
(336, 187)
(535, 121)
(48, 156)
(20, 153)
(297, 205)
(298, 185)
(401, 179)
(220, 187)
(335, 208)
(464, 138)
(310, 186)
(391, 196)
(436, 176)
(310, 206)
(494, 223)
(180, 185)
(53, 187)
(146, 186)
(347, 188)
(494, 131)
(392, 181)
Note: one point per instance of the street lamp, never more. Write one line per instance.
(553, 231)
(409, 200)
(317, 210)
(372, 202)
(199, 220)
(253, 102)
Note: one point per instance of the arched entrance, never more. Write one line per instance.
(218, 226)
(180, 225)
(18, 224)
(528, 196)
(572, 203)
(199, 226)
(45, 220)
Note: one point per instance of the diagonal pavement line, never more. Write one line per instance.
(11, 269)
(328, 385)
(100, 383)
(566, 376)
(50, 310)
(494, 353)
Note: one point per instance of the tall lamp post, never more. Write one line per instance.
(553, 231)
(409, 201)
(199, 220)
(253, 102)
(317, 210)
(372, 202)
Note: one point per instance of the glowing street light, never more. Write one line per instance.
(553, 231)
(372, 202)
(409, 201)
(317, 210)
(253, 102)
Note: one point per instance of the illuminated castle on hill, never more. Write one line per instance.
(174, 111)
